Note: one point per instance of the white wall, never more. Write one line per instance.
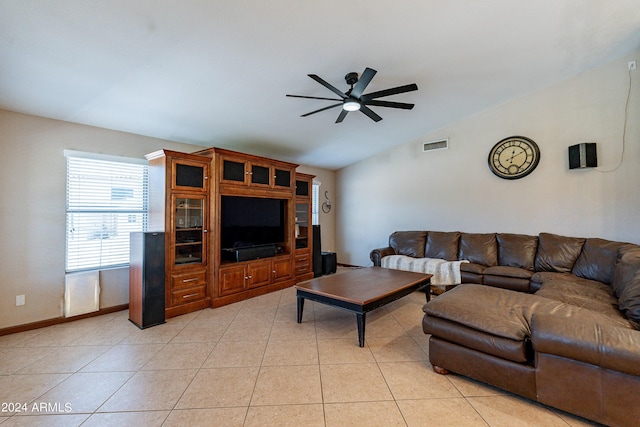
(453, 189)
(32, 207)
(32, 225)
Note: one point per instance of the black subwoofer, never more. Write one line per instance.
(329, 263)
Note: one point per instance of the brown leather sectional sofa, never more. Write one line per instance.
(552, 318)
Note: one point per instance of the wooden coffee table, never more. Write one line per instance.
(361, 290)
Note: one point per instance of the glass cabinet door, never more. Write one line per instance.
(282, 178)
(233, 171)
(189, 175)
(189, 221)
(302, 225)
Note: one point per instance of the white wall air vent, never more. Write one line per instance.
(81, 293)
(435, 145)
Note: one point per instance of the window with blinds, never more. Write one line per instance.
(107, 198)
(315, 197)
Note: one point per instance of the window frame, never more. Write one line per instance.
(102, 194)
(315, 202)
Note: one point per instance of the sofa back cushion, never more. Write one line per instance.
(597, 261)
(409, 243)
(442, 244)
(557, 253)
(625, 269)
(626, 284)
(517, 250)
(479, 248)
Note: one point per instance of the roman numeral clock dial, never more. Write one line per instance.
(514, 157)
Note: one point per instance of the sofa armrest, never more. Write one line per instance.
(583, 339)
(376, 255)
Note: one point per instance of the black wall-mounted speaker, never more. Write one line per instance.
(583, 156)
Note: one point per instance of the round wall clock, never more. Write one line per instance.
(514, 157)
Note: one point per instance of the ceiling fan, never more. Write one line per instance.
(354, 99)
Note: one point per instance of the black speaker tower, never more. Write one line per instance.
(146, 279)
(317, 252)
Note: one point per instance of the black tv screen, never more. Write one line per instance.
(251, 221)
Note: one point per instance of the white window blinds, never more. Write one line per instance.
(315, 202)
(107, 199)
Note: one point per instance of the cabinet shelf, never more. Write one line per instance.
(188, 260)
(188, 243)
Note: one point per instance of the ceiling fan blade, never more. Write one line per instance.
(373, 116)
(391, 104)
(341, 116)
(387, 92)
(321, 109)
(328, 86)
(314, 97)
(363, 82)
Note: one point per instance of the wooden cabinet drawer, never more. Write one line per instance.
(302, 264)
(302, 269)
(188, 295)
(304, 259)
(188, 280)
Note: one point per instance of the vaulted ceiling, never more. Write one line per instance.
(215, 73)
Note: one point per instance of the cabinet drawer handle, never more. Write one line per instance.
(190, 280)
(302, 259)
(190, 295)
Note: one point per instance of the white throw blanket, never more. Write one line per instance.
(444, 272)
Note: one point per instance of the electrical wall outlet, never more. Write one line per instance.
(20, 300)
(631, 65)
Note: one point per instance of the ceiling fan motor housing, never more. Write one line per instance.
(351, 78)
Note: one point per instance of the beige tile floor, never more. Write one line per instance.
(248, 364)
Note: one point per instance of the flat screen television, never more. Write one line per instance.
(252, 221)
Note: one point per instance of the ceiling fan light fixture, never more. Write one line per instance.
(351, 105)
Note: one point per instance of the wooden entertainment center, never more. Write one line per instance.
(209, 203)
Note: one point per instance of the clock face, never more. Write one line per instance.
(514, 157)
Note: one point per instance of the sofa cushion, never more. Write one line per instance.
(625, 270)
(490, 310)
(470, 267)
(557, 253)
(589, 294)
(410, 243)
(597, 260)
(627, 285)
(479, 248)
(442, 244)
(542, 277)
(585, 338)
(629, 301)
(519, 273)
(517, 250)
(516, 350)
